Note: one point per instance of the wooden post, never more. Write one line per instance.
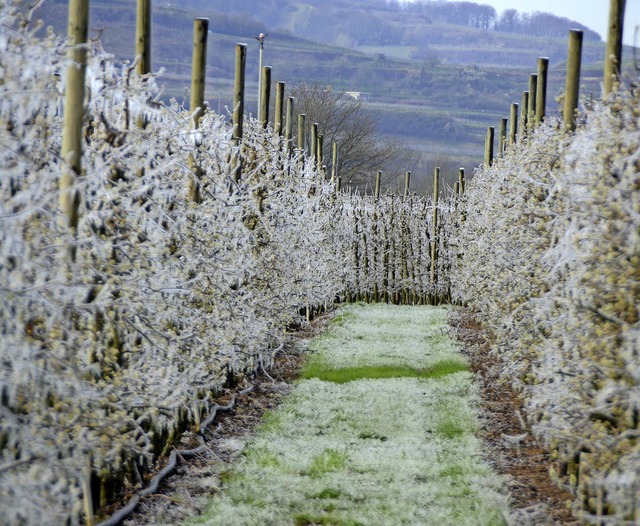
(334, 162)
(461, 180)
(513, 123)
(502, 140)
(238, 104)
(488, 147)
(143, 49)
(313, 147)
(434, 232)
(238, 92)
(301, 132)
(198, 67)
(143, 37)
(73, 114)
(613, 53)
(277, 122)
(378, 181)
(572, 86)
(198, 74)
(319, 151)
(339, 184)
(407, 182)
(524, 109)
(541, 91)
(265, 96)
(289, 125)
(533, 93)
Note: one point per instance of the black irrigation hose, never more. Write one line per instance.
(117, 518)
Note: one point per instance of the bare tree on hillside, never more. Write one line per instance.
(344, 120)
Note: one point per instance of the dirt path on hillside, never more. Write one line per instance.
(511, 450)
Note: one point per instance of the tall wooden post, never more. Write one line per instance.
(198, 74)
(488, 147)
(143, 37)
(238, 103)
(260, 39)
(320, 151)
(613, 53)
(502, 139)
(572, 86)
(541, 91)
(302, 118)
(533, 95)
(334, 162)
(313, 146)
(289, 124)
(461, 180)
(198, 67)
(407, 183)
(238, 92)
(434, 232)
(278, 119)
(524, 109)
(78, 30)
(143, 50)
(265, 96)
(513, 123)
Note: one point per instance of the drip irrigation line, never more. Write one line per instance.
(117, 518)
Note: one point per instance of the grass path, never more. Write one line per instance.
(379, 431)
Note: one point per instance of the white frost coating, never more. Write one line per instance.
(409, 336)
(107, 358)
(395, 451)
(549, 259)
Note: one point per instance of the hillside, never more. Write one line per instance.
(434, 79)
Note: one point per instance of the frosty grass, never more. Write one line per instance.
(368, 451)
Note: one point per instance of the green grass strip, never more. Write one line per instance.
(316, 369)
(381, 430)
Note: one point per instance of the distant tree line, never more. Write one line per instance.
(482, 16)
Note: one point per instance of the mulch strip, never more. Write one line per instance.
(512, 449)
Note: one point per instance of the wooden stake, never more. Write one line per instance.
(238, 92)
(334, 162)
(74, 114)
(572, 86)
(143, 37)
(541, 91)
(238, 106)
(613, 53)
(407, 182)
(198, 67)
(488, 146)
(513, 124)
(313, 146)
(502, 139)
(461, 180)
(277, 126)
(319, 151)
(301, 132)
(533, 95)
(265, 96)
(289, 124)
(524, 108)
(378, 183)
(434, 231)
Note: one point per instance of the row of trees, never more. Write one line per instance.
(128, 310)
(549, 259)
